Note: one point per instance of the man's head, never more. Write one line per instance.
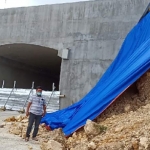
(39, 90)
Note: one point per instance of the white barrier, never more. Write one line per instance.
(19, 96)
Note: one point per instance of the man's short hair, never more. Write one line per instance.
(38, 87)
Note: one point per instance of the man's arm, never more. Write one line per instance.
(28, 107)
(44, 108)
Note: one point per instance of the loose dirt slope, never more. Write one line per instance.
(125, 125)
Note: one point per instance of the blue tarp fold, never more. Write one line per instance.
(132, 61)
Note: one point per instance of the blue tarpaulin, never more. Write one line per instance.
(132, 61)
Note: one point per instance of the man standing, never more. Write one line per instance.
(36, 109)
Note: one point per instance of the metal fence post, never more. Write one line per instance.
(23, 110)
(4, 107)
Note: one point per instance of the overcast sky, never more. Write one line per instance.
(22, 3)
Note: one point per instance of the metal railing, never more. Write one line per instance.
(16, 99)
(23, 109)
(53, 89)
(9, 94)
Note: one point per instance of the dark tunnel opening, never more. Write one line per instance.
(25, 63)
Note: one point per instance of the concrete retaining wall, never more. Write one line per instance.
(93, 31)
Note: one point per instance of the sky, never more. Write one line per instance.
(23, 3)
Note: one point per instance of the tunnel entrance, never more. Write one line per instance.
(26, 63)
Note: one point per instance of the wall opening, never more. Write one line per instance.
(26, 63)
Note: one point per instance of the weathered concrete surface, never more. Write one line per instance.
(13, 142)
(100, 31)
(93, 31)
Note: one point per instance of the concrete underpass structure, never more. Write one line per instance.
(93, 31)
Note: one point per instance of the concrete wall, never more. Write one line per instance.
(93, 31)
(100, 30)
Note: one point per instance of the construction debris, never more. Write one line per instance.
(51, 145)
(123, 126)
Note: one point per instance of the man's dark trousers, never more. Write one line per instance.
(36, 119)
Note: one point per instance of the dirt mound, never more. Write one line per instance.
(122, 126)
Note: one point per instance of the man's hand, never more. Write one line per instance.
(27, 113)
(43, 114)
(44, 108)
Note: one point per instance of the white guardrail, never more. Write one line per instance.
(16, 99)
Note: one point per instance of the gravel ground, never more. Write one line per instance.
(11, 142)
